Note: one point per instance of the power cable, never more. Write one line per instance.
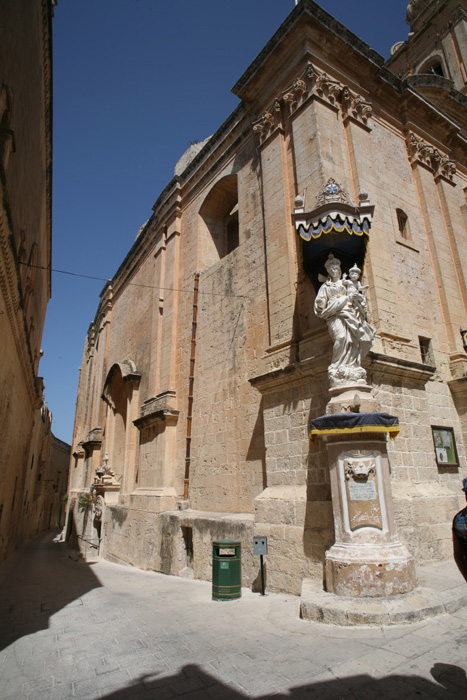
(134, 284)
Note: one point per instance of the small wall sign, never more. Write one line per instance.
(445, 446)
(260, 545)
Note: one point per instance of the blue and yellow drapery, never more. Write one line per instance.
(334, 224)
(350, 422)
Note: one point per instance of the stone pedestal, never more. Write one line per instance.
(367, 558)
(353, 398)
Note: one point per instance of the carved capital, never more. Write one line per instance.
(327, 88)
(313, 82)
(443, 166)
(268, 121)
(422, 152)
(357, 108)
(295, 95)
(419, 150)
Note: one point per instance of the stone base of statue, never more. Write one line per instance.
(372, 571)
(356, 397)
(367, 559)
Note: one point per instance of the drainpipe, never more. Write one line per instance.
(191, 381)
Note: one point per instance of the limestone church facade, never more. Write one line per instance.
(205, 361)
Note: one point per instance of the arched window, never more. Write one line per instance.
(219, 222)
(403, 224)
(433, 67)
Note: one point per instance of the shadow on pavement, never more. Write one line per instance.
(34, 586)
(193, 682)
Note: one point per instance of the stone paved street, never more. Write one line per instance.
(70, 629)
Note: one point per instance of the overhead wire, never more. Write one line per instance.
(134, 284)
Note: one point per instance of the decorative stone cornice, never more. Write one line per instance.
(425, 154)
(164, 401)
(399, 368)
(168, 416)
(160, 408)
(312, 84)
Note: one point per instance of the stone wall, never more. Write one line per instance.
(208, 394)
(25, 252)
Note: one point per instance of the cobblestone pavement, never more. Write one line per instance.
(70, 629)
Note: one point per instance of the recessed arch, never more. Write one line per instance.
(219, 221)
(120, 393)
(403, 224)
(127, 369)
(433, 66)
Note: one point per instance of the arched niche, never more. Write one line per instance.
(219, 223)
(121, 394)
(433, 66)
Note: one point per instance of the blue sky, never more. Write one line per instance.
(135, 81)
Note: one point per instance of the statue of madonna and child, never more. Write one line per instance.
(341, 302)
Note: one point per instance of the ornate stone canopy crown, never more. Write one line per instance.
(334, 224)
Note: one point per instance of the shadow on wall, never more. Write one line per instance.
(318, 535)
(34, 586)
(256, 449)
(449, 682)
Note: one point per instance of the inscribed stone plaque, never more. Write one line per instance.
(362, 491)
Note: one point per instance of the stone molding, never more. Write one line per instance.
(312, 84)
(458, 386)
(47, 14)
(94, 436)
(167, 416)
(101, 319)
(13, 301)
(427, 155)
(316, 368)
(164, 401)
(158, 409)
(399, 367)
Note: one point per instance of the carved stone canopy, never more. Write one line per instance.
(333, 225)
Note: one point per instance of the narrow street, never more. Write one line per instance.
(71, 629)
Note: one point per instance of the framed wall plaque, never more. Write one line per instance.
(445, 446)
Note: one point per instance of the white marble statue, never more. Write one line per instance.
(341, 302)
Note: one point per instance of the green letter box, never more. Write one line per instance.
(226, 570)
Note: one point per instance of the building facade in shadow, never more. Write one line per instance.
(25, 250)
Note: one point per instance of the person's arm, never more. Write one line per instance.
(459, 557)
